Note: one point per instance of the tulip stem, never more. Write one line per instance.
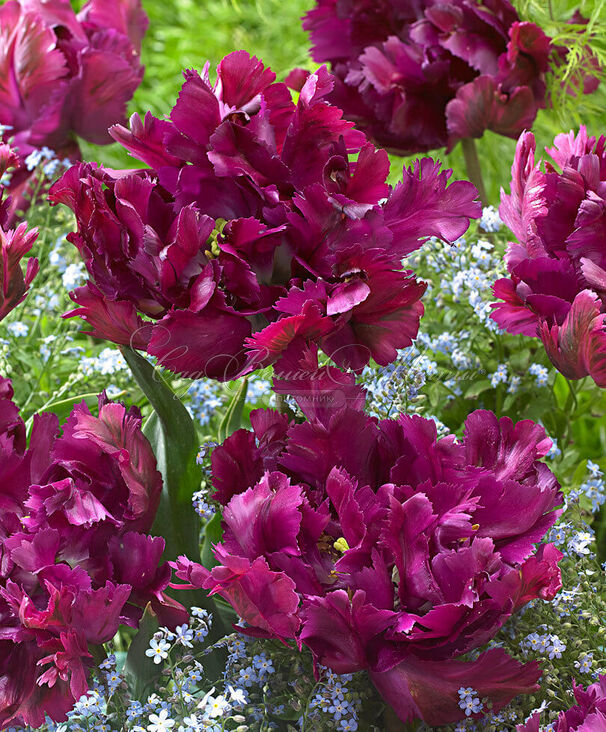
(570, 409)
(281, 404)
(98, 653)
(474, 170)
(572, 397)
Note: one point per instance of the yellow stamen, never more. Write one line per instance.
(341, 545)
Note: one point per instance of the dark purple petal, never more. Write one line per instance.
(125, 16)
(576, 348)
(482, 105)
(72, 568)
(116, 321)
(423, 205)
(511, 313)
(209, 343)
(145, 140)
(341, 631)
(395, 550)
(435, 685)
(14, 245)
(236, 466)
(96, 613)
(196, 113)
(319, 392)
(241, 78)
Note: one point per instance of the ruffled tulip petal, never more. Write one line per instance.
(100, 99)
(429, 689)
(319, 391)
(116, 320)
(203, 344)
(14, 245)
(266, 600)
(342, 632)
(422, 194)
(117, 432)
(481, 105)
(421, 76)
(578, 343)
(265, 518)
(144, 140)
(125, 16)
(526, 200)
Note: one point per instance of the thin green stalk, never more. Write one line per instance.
(474, 169)
(570, 409)
(79, 397)
(308, 702)
(281, 405)
(572, 397)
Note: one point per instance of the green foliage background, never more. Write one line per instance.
(186, 33)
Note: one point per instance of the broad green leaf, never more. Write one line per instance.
(172, 434)
(120, 660)
(561, 390)
(508, 403)
(173, 438)
(477, 388)
(435, 393)
(212, 534)
(141, 668)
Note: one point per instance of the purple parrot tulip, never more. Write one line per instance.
(14, 245)
(421, 75)
(74, 564)
(380, 546)
(255, 230)
(67, 74)
(587, 715)
(557, 285)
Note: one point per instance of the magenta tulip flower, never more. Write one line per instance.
(421, 75)
(70, 74)
(557, 284)
(255, 230)
(14, 245)
(381, 547)
(75, 563)
(587, 715)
